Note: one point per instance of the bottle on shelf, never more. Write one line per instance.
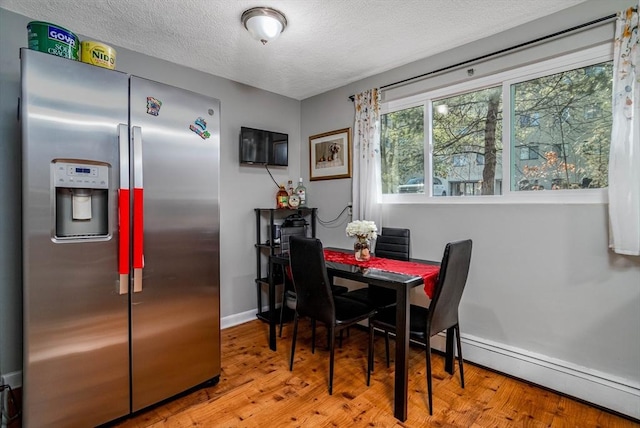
(302, 193)
(290, 189)
(282, 197)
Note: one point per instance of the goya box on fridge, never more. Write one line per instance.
(99, 54)
(53, 39)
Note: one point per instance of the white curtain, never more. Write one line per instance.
(366, 158)
(624, 156)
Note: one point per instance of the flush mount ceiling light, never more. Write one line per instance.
(264, 24)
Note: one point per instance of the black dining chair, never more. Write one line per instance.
(288, 298)
(442, 313)
(289, 295)
(315, 300)
(392, 243)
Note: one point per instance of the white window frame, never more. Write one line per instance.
(583, 58)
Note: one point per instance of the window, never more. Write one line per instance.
(466, 188)
(455, 154)
(402, 151)
(572, 147)
(527, 120)
(594, 70)
(459, 160)
(529, 152)
(592, 112)
(558, 114)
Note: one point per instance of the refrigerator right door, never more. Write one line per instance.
(175, 313)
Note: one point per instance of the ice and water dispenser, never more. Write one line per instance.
(81, 199)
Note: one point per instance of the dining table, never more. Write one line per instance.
(401, 276)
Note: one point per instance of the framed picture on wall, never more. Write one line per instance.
(330, 155)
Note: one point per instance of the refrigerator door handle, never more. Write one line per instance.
(138, 210)
(124, 211)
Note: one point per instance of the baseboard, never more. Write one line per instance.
(600, 389)
(13, 379)
(237, 319)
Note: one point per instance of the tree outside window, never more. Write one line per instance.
(574, 132)
(402, 149)
(559, 137)
(468, 129)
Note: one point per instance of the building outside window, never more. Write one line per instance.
(529, 152)
(471, 125)
(527, 120)
(558, 115)
(573, 147)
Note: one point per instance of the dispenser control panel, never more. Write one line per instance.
(79, 175)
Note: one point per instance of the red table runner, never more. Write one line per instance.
(429, 273)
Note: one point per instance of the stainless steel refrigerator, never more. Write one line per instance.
(120, 241)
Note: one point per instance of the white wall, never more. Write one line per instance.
(242, 187)
(563, 315)
(546, 300)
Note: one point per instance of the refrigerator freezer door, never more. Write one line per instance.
(175, 325)
(76, 335)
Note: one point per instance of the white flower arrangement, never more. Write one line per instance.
(363, 229)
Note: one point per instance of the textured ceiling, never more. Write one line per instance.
(327, 43)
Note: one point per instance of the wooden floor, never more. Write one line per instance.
(256, 389)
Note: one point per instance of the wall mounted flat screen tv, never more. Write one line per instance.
(258, 146)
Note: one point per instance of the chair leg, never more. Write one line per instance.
(428, 353)
(332, 343)
(386, 345)
(313, 336)
(457, 330)
(293, 341)
(283, 306)
(281, 319)
(340, 339)
(370, 354)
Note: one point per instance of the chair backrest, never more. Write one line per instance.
(288, 231)
(310, 279)
(393, 243)
(454, 269)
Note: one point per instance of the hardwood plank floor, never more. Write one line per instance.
(256, 389)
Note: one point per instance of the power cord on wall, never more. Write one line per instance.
(274, 180)
(339, 220)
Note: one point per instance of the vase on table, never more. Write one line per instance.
(362, 250)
